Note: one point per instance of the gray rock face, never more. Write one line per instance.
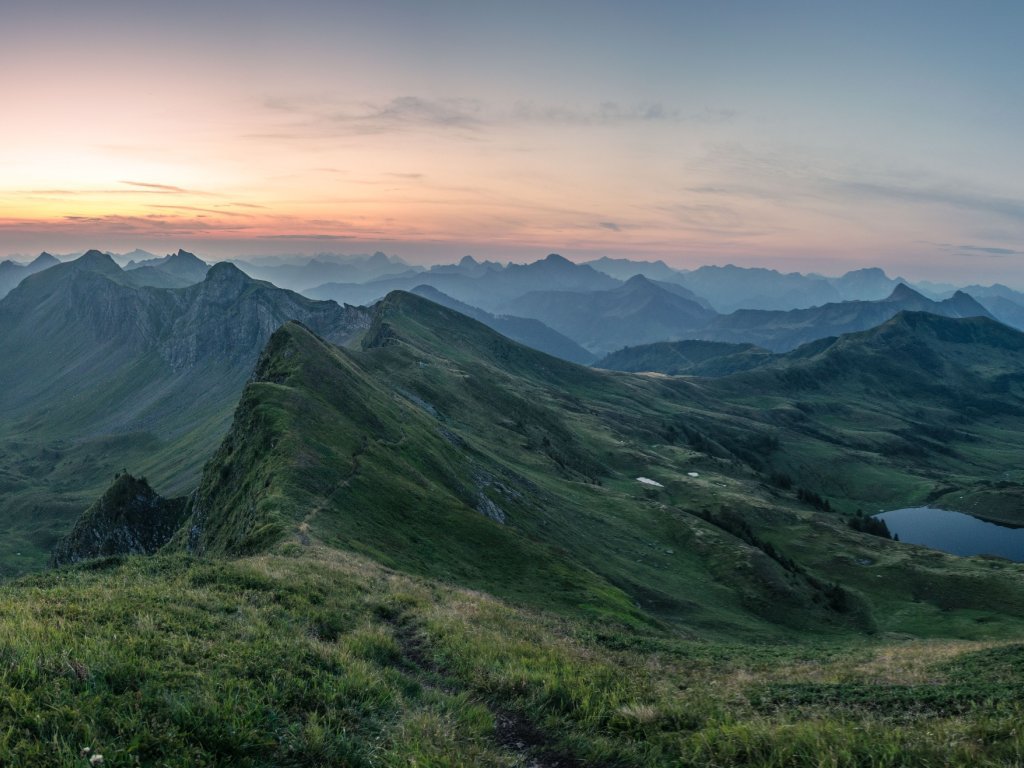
(229, 317)
(129, 519)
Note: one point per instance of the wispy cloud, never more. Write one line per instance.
(969, 250)
(170, 188)
(195, 209)
(610, 225)
(954, 196)
(465, 116)
(607, 113)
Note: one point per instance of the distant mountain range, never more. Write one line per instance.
(317, 271)
(12, 273)
(176, 270)
(636, 312)
(486, 286)
(643, 311)
(784, 330)
(596, 308)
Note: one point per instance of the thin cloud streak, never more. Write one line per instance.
(158, 187)
(465, 116)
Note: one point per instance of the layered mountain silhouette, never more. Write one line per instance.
(532, 333)
(486, 287)
(623, 269)
(327, 269)
(780, 331)
(637, 312)
(176, 270)
(12, 273)
(730, 288)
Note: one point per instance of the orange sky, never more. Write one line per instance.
(674, 131)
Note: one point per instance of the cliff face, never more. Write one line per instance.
(129, 519)
(229, 317)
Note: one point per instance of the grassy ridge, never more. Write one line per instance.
(413, 448)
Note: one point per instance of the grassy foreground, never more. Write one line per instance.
(308, 656)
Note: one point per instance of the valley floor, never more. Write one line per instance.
(308, 656)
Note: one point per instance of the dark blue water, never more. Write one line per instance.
(955, 532)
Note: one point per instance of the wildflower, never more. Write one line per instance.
(96, 759)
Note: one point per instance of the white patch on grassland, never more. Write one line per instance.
(648, 481)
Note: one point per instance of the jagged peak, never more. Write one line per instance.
(468, 261)
(129, 518)
(183, 255)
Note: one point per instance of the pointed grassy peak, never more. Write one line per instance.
(430, 330)
(224, 272)
(322, 449)
(255, 490)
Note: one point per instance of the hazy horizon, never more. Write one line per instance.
(450, 259)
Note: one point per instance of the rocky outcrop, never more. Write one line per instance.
(129, 519)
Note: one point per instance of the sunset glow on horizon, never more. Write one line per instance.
(802, 136)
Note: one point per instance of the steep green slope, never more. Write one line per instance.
(98, 375)
(532, 333)
(446, 450)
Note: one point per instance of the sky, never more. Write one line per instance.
(812, 136)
